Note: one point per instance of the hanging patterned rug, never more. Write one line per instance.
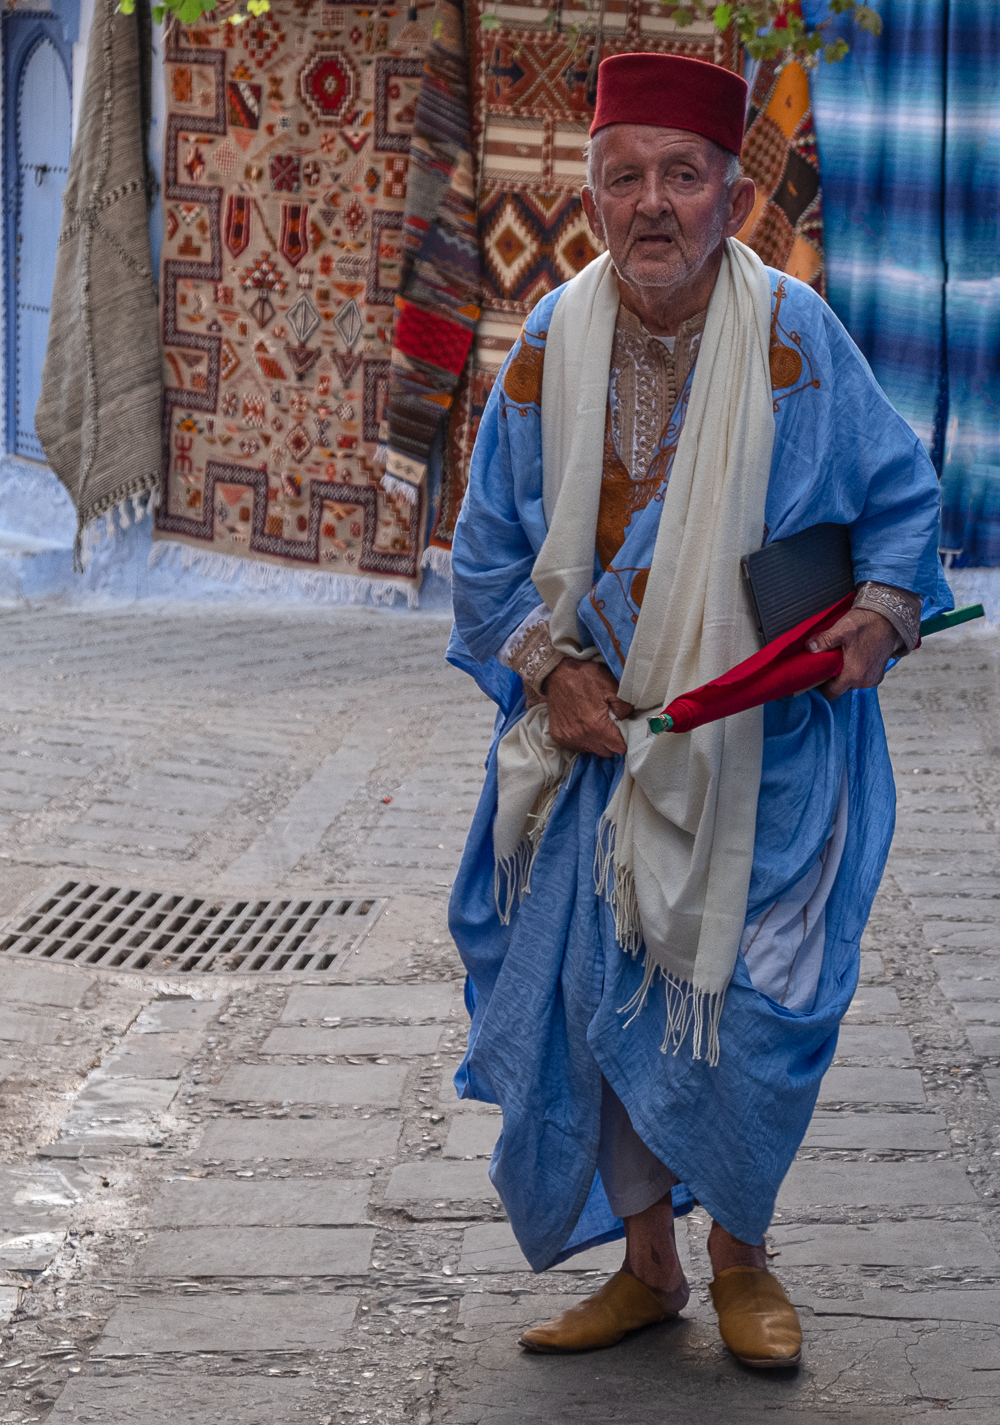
(785, 228)
(509, 104)
(285, 172)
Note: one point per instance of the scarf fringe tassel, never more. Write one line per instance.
(512, 874)
(688, 1008)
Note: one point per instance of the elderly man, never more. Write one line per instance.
(661, 933)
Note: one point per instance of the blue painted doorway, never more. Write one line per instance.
(37, 125)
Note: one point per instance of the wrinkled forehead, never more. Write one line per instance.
(620, 145)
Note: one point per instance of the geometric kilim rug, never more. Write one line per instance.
(285, 163)
(532, 104)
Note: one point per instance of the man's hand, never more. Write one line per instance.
(868, 641)
(579, 695)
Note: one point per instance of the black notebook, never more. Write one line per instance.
(794, 578)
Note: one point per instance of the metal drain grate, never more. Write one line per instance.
(121, 928)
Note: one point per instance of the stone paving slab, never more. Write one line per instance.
(42, 1197)
(300, 824)
(145, 1064)
(189, 1399)
(312, 1004)
(216, 1321)
(335, 1140)
(257, 1252)
(31, 983)
(875, 1042)
(31, 1028)
(334, 1202)
(871, 1086)
(887, 1132)
(150, 838)
(978, 989)
(492, 1247)
(974, 1305)
(30, 1251)
(108, 1095)
(402, 1041)
(317, 1083)
(427, 1182)
(473, 1135)
(974, 1011)
(963, 937)
(982, 908)
(984, 1039)
(872, 1002)
(167, 1016)
(917, 1242)
(952, 965)
(862, 1184)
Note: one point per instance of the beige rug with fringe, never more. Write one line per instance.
(285, 167)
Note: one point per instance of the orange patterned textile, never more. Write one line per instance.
(785, 228)
(285, 173)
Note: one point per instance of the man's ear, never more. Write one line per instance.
(593, 214)
(743, 194)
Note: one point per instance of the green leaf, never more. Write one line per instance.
(438, 29)
(841, 7)
(125, 7)
(682, 18)
(721, 16)
(489, 22)
(158, 13)
(835, 52)
(189, 12)
(258, 7)
(867, 19)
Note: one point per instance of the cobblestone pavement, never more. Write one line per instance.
(246, 1197)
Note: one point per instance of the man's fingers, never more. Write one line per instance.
(621, 709)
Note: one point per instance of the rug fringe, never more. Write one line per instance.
(265, 578)
(394, 486)
(438, 560)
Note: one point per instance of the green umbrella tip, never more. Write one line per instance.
(663, 723)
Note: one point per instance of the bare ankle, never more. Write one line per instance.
(651, 1254)
(727, 1251)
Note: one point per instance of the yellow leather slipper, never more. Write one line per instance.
(623, 1304)
(756, 1320)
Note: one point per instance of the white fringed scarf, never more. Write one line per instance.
(675, 844)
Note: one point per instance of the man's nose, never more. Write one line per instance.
(653, 201)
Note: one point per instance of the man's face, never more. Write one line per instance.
(661, 203)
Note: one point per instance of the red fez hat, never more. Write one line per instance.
(672, 92)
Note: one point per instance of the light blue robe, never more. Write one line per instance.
(545, 992)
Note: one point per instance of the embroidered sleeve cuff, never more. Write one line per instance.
(899, 606)
(529, 652)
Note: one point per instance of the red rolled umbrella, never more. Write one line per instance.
(782, 666)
